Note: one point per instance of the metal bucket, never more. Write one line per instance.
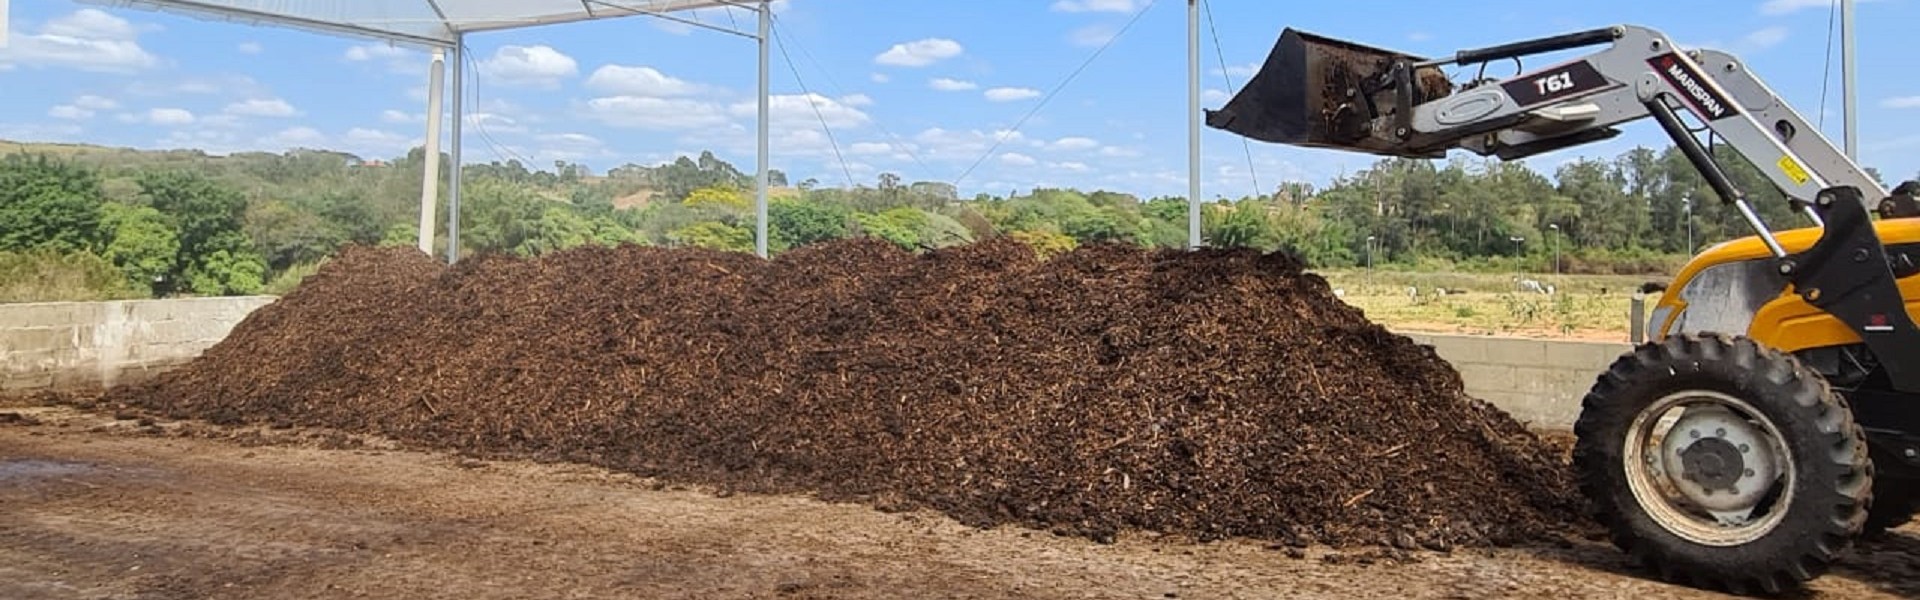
(1312, 92)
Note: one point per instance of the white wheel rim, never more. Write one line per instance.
(1709, 467)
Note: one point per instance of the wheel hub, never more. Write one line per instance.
(1713, 463)
(1704, 470)
(1725, 462)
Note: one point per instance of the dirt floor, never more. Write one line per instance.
(97, 507)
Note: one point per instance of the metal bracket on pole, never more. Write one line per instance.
(3, 23)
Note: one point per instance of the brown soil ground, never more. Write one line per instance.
(97, 507)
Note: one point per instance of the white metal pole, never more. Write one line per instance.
(1193, 124)
(453, 155)
(1846, 78)
(430, 173)
(760, 183)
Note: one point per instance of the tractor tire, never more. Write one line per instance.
(1770, 450)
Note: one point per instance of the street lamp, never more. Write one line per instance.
(1556, 247)
(1688, 199)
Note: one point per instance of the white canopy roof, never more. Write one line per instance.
(417, 22)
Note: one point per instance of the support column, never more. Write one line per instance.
(760, 185)
(430, 173)
(1193, 124)
(459, 57)
(1846, 79)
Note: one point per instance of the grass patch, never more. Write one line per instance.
(1593, 307)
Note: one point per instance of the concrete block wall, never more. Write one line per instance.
(67, 344)
(1538, 381)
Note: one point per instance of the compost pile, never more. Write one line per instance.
(1209, 393)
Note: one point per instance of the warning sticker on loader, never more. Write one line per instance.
(1793, 170)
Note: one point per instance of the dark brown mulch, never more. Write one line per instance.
(1211, 393)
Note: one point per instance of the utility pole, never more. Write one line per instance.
(1846, 79)
(1193, 124)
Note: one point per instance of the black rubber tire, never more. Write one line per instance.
(1834, 474)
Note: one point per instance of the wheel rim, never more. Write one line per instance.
(1708, 467)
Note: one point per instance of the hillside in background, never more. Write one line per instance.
(82, 222)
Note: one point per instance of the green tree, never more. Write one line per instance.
(48, 204)
(714, 235)
(140, 244)
(795, 223)
(215, 256)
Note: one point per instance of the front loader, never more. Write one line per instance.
(1774, 415)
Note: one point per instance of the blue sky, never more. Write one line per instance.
(922, 88)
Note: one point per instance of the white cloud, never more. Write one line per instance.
(81, 108)
(660, 114)
(271, 107)
(70, 112)
(1767, 37)
(1213, 96)
(1419, 36)
(296, 137)
(1781, 7)
(1119, 6)
(1094, 35)
(395, 116)
(170, 116)
(1074, 167)
(879, 78)
(535, 66)
(870, 148)
(493, 123)
(800, 110)
(1011, 94)
(1901, 102)
(919, 53)
(1119, 152)
(856, 100)
(249, 48)
(945, 144)
(375, 143)
(366, 52)
(1017, 159)
(622, 80)
(92, 102)
(951, 85)
(395, 59)
(1075, 143)
(88, 39)
(1240, 71)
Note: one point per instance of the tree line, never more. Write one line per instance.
(103, 223)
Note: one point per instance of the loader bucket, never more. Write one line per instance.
(1300, 96)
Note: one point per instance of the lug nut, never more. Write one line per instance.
(1749, 473)
(1720, 432)
(1693, 433)
(1744, 449)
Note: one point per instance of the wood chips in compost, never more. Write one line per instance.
(1211, 393)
